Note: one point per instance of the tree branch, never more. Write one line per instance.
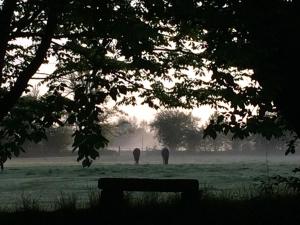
(29, 34)
(20, 85)
(25, 21)
(6, 16)
(176, 51)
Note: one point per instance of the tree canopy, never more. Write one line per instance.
(122, 47)
(259, 38)
(176, 129)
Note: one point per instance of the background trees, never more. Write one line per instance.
(130, 134)
(122, 47)
(176, 129)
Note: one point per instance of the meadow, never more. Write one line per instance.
(45, 180)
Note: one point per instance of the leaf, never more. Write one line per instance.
(100, 97)
(296, 170)
(220, 118)
(86, 162)
(113, 94)
(123, 89)
(16, 152)
(71, 118)
(80, 155)
(94, 154)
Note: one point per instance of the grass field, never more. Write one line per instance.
(48, 179)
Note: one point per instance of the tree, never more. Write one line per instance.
(113, 45)
(193, 138)
(116, 45)
(129, 134)
(24, 122)
(176, 129)
(215, 142)
(274, 144)
(58, 139)
(258, 39)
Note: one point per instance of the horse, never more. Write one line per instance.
(136, 155)
(165, 155)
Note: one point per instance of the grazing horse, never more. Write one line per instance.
(165, 155)
(136, 155)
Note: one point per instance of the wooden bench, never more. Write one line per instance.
(112, 188)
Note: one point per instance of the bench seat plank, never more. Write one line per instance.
(148, 184)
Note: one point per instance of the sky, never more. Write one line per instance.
(143, 112)
(140, 112)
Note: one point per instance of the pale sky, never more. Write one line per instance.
(144, 112)
(140, 112)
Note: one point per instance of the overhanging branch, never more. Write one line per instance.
(6, 15)
(14, 94)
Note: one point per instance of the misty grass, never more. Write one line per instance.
(248, 205)
(66, 202)
(70, 202)
(233, 192)
(93, 198)
(44, 183)
(27, 203)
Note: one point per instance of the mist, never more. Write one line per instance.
(58, 150)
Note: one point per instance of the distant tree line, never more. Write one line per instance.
(182, 131)
(175, 129)
(59, 142)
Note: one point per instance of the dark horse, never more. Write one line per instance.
(136, 155)
(165, 155)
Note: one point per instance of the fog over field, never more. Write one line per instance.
(154, 157)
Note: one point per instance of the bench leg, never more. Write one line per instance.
(112, 199)
(191, 199)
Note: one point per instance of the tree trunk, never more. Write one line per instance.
(11, 97)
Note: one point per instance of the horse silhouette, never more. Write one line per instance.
(165, 155)
(136, 155)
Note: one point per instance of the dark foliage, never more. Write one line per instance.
(113, 47)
